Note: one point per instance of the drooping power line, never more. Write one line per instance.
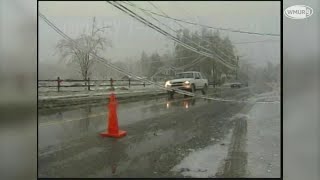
(183, 27)
(251, 42)
(217, 28)
(108, 64)
(189, 40)
(151, 25)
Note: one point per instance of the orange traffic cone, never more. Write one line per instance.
(113, 129)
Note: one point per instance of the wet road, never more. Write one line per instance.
(180, 137)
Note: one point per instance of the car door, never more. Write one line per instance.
(202, 79)
(198, 81)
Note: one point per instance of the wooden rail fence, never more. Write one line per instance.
(58, 83)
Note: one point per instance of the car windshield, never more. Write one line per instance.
(184, 75)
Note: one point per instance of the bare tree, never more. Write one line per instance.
(78, 52)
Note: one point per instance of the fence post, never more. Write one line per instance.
(129, 82)
(58, 80)
(88, 84)
(144, 84)
(111, 82)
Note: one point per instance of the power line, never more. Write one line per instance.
(188, 45)
(187, 28)
(156, 8)
(150, 15)
(192, 63)
(269, 40)
(144, 21)
(139, 18)
(107, 64)
(145, 12)
(117, 68)
(183, 27)
(196, 61)
(133, 5)
(217, 28)
(185, 66)
(153, 5)
(159, 9)
(186, 57)
(77, 45)
(100, 59)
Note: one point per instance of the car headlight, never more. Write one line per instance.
(168, 83)
(187, 82)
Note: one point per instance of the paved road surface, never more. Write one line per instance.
(180, 137)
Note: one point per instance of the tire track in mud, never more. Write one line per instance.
(235, 164)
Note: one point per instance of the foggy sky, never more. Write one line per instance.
(130, 37)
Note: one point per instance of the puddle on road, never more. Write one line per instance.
(140, 110)
(79, 156)
(151, 142)
(204, 163)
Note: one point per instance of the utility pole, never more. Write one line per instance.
(237, 68)
(212, 70)
(247, 71)
(213, 74)
(93, 25)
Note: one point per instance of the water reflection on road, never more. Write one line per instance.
(58, 126)
(166, 138)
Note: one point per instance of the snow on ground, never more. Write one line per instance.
(240, 116)
(61, 95)
(267, 96)
(93, 88)
(263, 145)
(82, 92)
(203, 163)
(264, 141)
